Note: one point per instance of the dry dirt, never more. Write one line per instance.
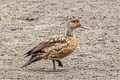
(25, 23)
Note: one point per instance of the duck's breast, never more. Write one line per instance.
(74, 42)
(65, 49)
(72, 46)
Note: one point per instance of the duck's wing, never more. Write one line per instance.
(47, 45)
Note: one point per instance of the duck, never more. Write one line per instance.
(56, 47)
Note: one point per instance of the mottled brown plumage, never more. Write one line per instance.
(56, 47)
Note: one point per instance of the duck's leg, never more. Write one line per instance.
(59, 63)
(54, 65)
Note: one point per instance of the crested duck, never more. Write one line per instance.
(56, 47)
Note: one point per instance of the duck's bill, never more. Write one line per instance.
(83, 27)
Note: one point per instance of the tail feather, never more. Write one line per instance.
(28, 53)
(30, 61)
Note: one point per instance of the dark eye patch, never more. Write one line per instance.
(75, 21)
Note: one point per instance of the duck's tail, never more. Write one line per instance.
(32, 60)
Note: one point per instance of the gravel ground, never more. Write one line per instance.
(25, 23)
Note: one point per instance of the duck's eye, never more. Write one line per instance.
(77, 21)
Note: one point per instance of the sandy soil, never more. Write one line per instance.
(25, 23)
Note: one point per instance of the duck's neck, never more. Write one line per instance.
(69, 32)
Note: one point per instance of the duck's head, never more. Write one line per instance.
(73, 24)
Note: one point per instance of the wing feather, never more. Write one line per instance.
(46, 46)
